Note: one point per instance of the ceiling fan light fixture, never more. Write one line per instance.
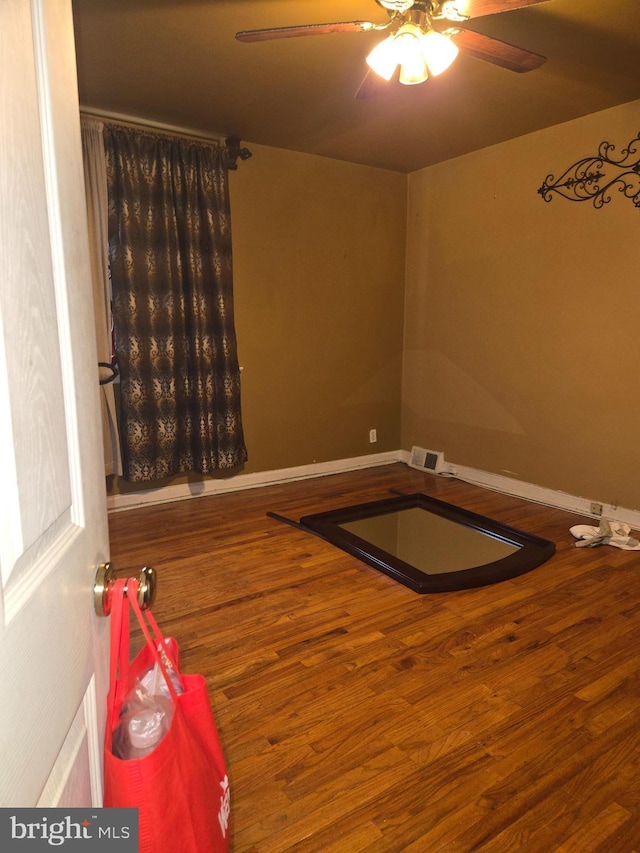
(418, 51)
(413, 71)
(383, 59)
(410, 55)
(439, 51)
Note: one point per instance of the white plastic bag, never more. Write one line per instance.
(614, 533)
(146, 711)
(154, 682)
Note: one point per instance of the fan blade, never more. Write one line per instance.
(305, 30)
(460, 10)
(497, 52)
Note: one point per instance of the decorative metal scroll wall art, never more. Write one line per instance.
(596, 178)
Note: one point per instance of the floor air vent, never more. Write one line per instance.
(427, 460)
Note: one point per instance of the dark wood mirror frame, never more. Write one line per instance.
(529, 551)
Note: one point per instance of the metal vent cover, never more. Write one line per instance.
(427, 460)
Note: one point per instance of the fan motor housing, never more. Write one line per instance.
(396, 5)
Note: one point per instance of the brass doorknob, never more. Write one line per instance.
(105, 580)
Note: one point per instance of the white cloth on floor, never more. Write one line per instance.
(614, 533)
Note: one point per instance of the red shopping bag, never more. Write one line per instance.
(180, 788)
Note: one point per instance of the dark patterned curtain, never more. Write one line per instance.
(171, 270)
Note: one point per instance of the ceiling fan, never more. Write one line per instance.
(420, 40)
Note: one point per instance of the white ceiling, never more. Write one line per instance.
(177, 62)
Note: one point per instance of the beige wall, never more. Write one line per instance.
(319, 248)
(521, 335)
(522, 326)
(319, 296)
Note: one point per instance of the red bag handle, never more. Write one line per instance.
(125, 594)
(132, 589)
(148, 616)
(119, 652)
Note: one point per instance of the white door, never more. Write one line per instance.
(53, 528)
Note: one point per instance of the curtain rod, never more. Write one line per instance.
(142, 123)
(232, 144)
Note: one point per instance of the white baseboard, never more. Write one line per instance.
(536, 494)
(475, 476)
(184, 491)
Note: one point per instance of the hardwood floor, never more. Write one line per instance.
(357, 715)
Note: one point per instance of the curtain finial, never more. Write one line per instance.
(233, 151)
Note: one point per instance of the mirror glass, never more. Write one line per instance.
(430, 545)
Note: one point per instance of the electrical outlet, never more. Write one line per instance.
(595, 509)
(373, 436)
